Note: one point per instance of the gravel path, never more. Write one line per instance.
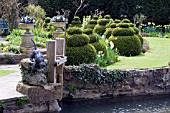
(2, 40)
(8, 83)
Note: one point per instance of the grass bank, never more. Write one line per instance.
(157, 56)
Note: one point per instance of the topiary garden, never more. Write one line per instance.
(76, 22)
(125, 40)
(92, 23)
(78, 49)
(94, 40)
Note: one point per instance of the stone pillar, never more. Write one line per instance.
(58, 32)
(27, 46)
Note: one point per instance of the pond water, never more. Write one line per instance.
(145, 104)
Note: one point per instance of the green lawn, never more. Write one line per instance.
(157, 56)
(6, 72)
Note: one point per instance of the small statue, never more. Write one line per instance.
(37, 57)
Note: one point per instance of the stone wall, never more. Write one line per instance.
(138, 82)
(16, 57)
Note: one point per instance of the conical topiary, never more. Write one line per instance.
(94, 40)
(100, 28)
(76, 22)
(78, 49)
(92, 23)
(125, 40)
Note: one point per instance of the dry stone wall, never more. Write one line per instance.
(137, 83)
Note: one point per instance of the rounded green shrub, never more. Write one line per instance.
(77, 40)
(76, 18)
(95, 18)
(140, 38)
(90, 26)
(127, 45)
(74, 30)
(113, 25)
(93, 38)
(63, 35)
(107, 17)
(93, 22)
(76, 22)
(123, 25)
(136, 30)
(79, 55)
(125, 21)
(117, 21)
(99, 29)
(123, 32)
(88, 31)
(47, 20)
(103, 21)
(99, 46)
(108, 32)
(131, 25)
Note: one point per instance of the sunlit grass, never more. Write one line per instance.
(6, 72)
(157, 56)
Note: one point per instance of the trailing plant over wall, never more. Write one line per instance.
(22, 101)
(92, 73)
(33, 70)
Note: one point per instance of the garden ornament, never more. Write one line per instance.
(37, 57)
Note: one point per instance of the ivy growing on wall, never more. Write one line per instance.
(92, 73)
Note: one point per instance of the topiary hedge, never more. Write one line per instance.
(74, 30)
(138, 35)
(140, 38)
(79, 55)
(131, 25)
(125, 40)
(95, 18)
(99, 29)
(90, 26)
(125, 21)
(77, 40)
(88, 31)
(113, 25)
(93, 38)
(136, 30)
(123, 32)
(108, 32)
(93, 22)
(117, 21)
(127, 45)
(123, 25)
(103, 21)
(107, 17)
(47, 20)
(76, 22)
(78, 50)
(99, 46)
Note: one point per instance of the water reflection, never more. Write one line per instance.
(153, 104)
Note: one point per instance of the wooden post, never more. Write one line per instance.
(51, 57)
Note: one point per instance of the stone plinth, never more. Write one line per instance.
(41, 96)
(58, 33)
(27, 45)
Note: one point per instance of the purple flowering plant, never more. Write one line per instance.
(27, 20)
(59, 18)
